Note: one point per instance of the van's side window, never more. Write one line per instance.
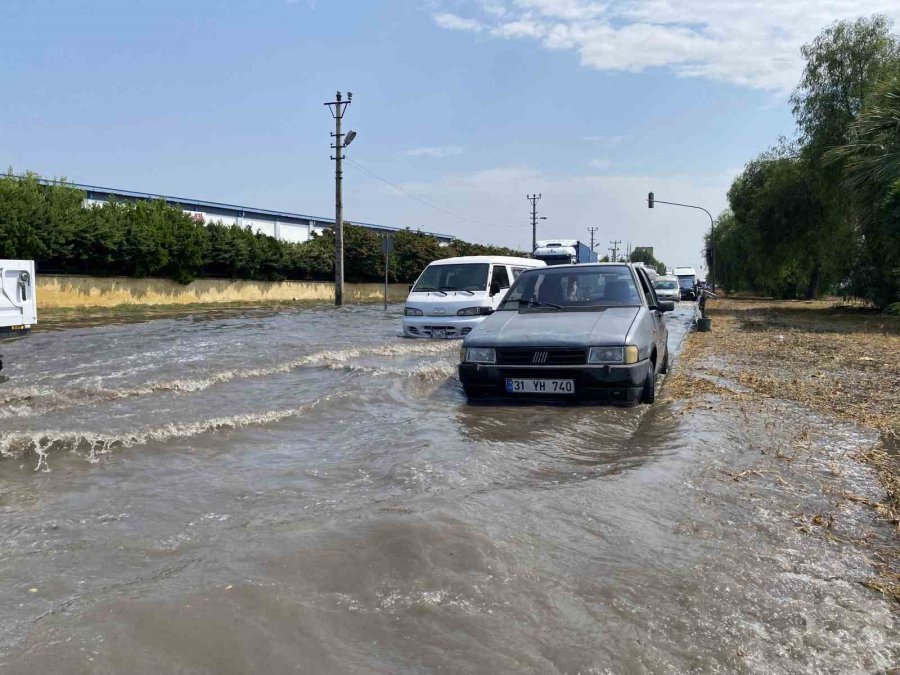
(516, 271)
(500, 276)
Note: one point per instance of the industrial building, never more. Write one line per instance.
(284, 225)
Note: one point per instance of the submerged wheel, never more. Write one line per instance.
(665, 364)
(649, 393)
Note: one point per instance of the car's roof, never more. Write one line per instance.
(502, 259)
(582, 266)
(668, 277)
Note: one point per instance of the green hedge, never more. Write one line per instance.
(51, 225)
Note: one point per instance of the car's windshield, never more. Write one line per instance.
(686, 282)
(665, 284)
(572, 288)
(453, 277)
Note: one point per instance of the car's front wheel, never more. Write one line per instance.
(649, 393)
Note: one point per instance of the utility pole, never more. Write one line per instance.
(614, 249)
(592, 230)
(337, 108)
(534, 218)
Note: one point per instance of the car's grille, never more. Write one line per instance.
(550, 356)
(449, 331)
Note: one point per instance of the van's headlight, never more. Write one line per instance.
(412, 311)
(480, 355)
(626, 355)
(474, 311)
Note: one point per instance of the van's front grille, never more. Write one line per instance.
(549, 356)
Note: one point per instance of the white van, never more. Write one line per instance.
(18, 309)
(453, 295)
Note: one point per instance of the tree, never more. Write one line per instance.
(870, 166)
(843, 65)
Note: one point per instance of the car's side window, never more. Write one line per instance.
(647, 287)
(500, 276)
(516, 271)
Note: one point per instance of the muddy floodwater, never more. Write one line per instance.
(305, 491)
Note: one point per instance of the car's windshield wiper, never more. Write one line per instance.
(538, 303)
(429, 290)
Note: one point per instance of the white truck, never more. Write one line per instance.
(18, 309)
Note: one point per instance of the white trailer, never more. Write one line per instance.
(18, 309)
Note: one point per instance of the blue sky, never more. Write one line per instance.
(470, 104)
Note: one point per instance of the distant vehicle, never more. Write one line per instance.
(571, 331)
(454, 295)
(687, 282)
(18, 308)
(667, 288)
(564, 252)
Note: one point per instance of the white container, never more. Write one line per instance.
(18, 307)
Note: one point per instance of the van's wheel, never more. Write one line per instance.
(649, 393)
(665, 364)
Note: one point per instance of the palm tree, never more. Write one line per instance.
(871, 160)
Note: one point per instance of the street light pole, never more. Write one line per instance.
(651, 200)
(337, 108)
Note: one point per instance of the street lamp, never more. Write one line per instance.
(651, 200)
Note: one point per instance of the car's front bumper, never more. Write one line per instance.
(619, 384)
(452, 326)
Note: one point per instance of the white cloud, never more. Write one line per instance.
(454, 22)
(601, 163)
(435, 151)
(750, 43)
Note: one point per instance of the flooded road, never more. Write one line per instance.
(304, 491)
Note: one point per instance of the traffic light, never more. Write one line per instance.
(650, 200)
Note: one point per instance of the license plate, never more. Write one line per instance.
(439, 333)
(530, 386)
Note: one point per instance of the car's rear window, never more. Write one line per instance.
(572, 288)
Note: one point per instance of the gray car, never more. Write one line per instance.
(592, 331)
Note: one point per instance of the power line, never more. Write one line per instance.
(424, 201)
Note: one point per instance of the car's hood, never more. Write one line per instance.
(554, 329)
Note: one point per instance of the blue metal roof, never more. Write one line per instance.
(244, 210)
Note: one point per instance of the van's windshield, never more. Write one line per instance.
(453, 277)
(687, 282)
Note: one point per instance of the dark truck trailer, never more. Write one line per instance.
(564, 252)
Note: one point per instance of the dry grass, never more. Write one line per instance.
(61, 291)
(839, 359)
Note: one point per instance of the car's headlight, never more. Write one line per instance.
(479, 355)
(606, 355)
(626, 355)
(474, 311)
(412, 311)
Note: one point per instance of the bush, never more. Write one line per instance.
(51, 225)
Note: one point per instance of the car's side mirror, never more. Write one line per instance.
(665, 305)
(495, 287)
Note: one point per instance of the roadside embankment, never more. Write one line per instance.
(66, 291)
(838, 361)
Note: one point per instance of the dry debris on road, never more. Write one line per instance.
(838, 359)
